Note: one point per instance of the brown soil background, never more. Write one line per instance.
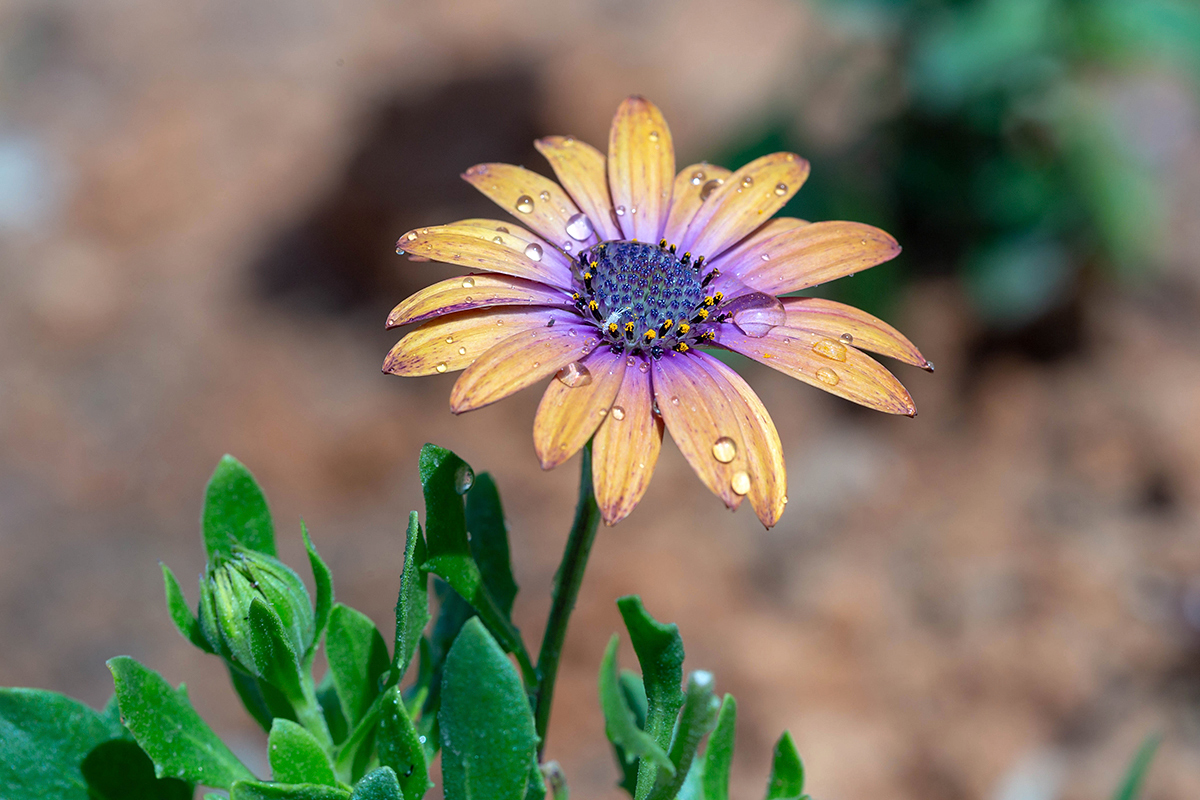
(998, 599)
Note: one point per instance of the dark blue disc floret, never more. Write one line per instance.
(644, 297)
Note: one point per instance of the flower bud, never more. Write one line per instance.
(231, 583)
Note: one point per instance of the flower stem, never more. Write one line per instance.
(566, 589)
(309, 713)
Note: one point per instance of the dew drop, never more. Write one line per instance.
(569, 140)
(633, 209)
(674, 401)
(441, 367)
(747, 182)
(603, 412)
(574, 375)
(568, 246)
(533, 251)
(765, 256)
(468, 283)
(449, 340)
(847, 338)
(654, 409)
(781, 189)
(643, 368)
(698, 177)
(536, 364)
(572, 333)
(524, 204)
(412, 237)
(835, 351)
(864, 241)
(544, 196)
(708, 188)
(498, 239)
(620, 211)
(654, 136)
(462, 351)
(827, 376)
(464, 479)
(618, 413)
(502, 229)
(724, 449)
(579, 227)
(468, 298)
(740, 483)
(784, 499)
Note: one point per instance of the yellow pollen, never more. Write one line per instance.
(663, 243)
(682, 347)
(668, 322)
(708, 301)
(718, 296)
(575, 295)
(612, 328)
(592, 265)
(650, 334)
(684, 328)
(702, 314)
(708, 336)
(587, 276)
(593, 305)
(629, 327)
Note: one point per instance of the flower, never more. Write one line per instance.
(618, 279)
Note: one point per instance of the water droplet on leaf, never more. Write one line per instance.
(464, 479)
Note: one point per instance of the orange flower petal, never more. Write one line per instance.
(641, 168)
(704, 425)
(475, 291)
(582, 172)
(825, 363)
(808, 255)
(520, 361)
(692, 187)
(534, 199)
(453, 342)
(768, 474)
(485, 249)
(746, 254)
(551, 254)
(852, 326)
(747, 199)
(569, 414)
(626, 446)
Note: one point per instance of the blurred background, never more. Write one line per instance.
(998, 599)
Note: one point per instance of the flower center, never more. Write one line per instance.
(644, 297)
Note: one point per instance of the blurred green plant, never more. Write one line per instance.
(1004, 158)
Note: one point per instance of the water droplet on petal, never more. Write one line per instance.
(441, 367)
(633, 209)
(568, 246)
(618, 413)
(674, 401)
(784, 499)
(697, 177)
(827, 376)
(864, 241)
(533, 251)
(468, 283)
(747, 181)
(724, 449)
(740, 483)
(544, 196)
(572, 333)
(654, 136)
(620, 211)
(835, 351)
(574, 375)
(464, 479)
(502, 229)
(847, 338)
(498, 239)
(643, 367)
(462, 351)
(412, 237)
(708, 188)
(536, 364)
(579, 227)
(765, 256)
(449, 340)
(524, 204)
(781, 189)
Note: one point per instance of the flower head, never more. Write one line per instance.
(618, 279)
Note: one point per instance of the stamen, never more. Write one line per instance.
(710, 277)
(682, 347)
(612, 329)
(649, 335)
(708, 301)
(662, 245)
(684, 328)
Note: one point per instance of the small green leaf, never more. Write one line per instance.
(489, 541)
(487, 730)
(380, 784)
(787, 771)
(357, 658)
(323, 580)
(620, 723)
(235, 511)
(44, 738)
(119, 770)
(260, 790)
(718, 754)
(331, 707)
(412, 604)
(1131, 784)
(181, 614)
(296, 756)
(400, 747)
(272, 650)
(169, 730)
(659, 650)
(695, 721)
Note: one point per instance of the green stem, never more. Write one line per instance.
(566, 589)
(309, 713)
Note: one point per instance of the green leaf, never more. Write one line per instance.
(181, 614)
(400, 747)
(44, 738)
(357, 658)
(169, 730)
(487, 730)
(323, 580)
(119, 770)
(659, 650)
(489, 541)
(695, 721)
(260, 790)
(272, 650)
(380, 784)
(235, 511)
(331, 707)
(787, 771)
(1131, 784)
(718, 755)
(296, 756)
(412, 604)
(620, 722)
(263, 701)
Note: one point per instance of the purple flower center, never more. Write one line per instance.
(645, 297)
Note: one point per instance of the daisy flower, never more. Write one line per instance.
(617, 280)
